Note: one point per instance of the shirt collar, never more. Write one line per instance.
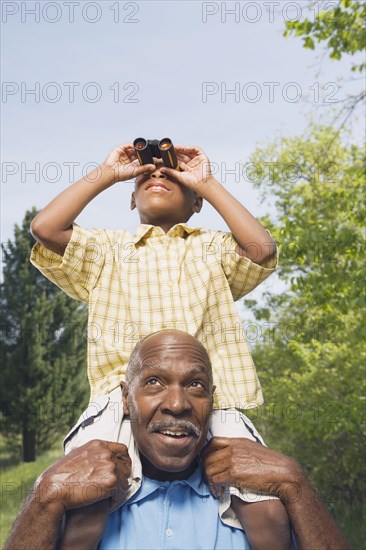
(146, 230)
(149, 486)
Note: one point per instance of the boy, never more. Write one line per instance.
(167, 275)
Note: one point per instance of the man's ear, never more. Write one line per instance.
(133, 201)
(126, 409)
(197, 204)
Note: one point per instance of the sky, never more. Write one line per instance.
(80, 78)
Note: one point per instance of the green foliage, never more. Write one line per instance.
(341, 28)
(16, 482)
(311, 359)
(43, 348)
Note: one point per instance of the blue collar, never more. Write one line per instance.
(149, 486)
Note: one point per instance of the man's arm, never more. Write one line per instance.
(39, 523)
(52, 226)
(244, 463)
(254, 241)
(93, 473)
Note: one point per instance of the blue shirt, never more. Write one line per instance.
(176, 515)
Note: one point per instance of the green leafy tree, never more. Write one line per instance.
(341, 28)
(43, 383)
(311, 356)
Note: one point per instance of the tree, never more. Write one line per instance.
(342, 29)
(43, 349)
(311, 357)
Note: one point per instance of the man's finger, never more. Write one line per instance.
(217, 459)
(213, 488)
(117, 448)
(215, 444)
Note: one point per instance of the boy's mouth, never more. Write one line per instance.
(157, 186)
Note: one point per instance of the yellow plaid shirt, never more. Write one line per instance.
(187, 279)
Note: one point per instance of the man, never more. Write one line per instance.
(168, 396)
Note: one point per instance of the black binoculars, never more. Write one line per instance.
(146, 149)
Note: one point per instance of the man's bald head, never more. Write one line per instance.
(135, 363)
(168, 395)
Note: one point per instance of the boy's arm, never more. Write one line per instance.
(52, 227)
(84, 527)
(247, 464)
(266, 523)
(254, 241)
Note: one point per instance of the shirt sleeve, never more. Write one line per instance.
(77, 271)
(243, 274)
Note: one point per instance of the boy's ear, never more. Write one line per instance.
(133, 201)
(124, 388)
(197, 204)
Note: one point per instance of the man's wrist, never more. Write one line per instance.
(48, 495)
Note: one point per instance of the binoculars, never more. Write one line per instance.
(146, 149)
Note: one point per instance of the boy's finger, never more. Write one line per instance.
(171, 172)
(185, 149)
(145, 169)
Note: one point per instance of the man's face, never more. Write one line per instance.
(169, 403)
(161, 200)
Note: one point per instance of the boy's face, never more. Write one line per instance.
(162, 201)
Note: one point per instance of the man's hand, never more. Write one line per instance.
(91, 474)
(249, 465)
(95, 471)
(195, 169)
(123, 164)
(243, 463)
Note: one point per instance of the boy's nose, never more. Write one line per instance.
(157, 174)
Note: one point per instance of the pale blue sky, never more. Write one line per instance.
(167, 53)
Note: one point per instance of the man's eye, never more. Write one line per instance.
(196, 384)
(152, 382)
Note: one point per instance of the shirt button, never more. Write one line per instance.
(169, 532)
(170, 283)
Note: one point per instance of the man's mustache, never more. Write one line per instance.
(177, 425)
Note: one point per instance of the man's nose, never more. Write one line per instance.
(176, 402)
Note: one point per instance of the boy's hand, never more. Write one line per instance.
(195, 169)
(124, 164)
